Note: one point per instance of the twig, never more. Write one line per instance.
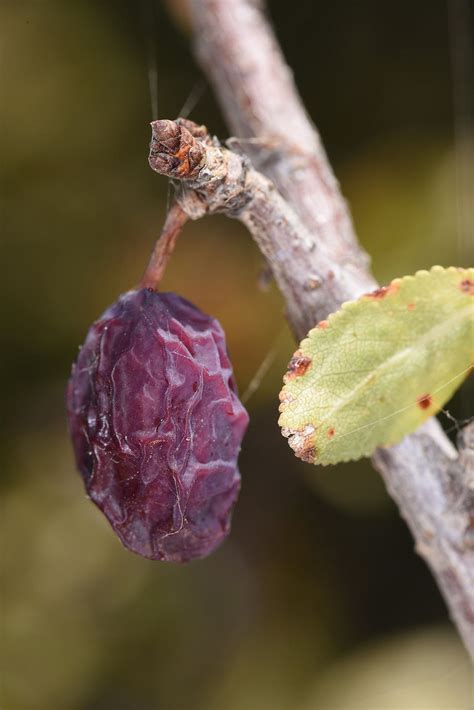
(174, 222)
(308, 240)
(219, 180)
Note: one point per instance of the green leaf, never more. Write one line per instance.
(380, 366)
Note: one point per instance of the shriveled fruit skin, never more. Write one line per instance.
(156, 425)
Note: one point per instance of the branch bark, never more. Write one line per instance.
(305, 231)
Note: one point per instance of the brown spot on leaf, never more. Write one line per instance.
(301, 441)
(424, 401)
(298, 365)
(383, 291)
(331, 432)
(308, 455)
(411, 306)
(467, 286)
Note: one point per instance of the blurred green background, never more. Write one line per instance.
(317, 600)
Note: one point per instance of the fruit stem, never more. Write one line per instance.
(165, 244)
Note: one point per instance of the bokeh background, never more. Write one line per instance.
(317, 600)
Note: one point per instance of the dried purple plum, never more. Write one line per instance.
(156, 425)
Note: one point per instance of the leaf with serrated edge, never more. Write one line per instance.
(380, 366)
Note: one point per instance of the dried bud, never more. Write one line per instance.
(174, 150)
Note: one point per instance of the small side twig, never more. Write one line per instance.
(174, 222)
(215, 179)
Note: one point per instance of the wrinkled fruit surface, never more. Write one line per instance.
(156, 425)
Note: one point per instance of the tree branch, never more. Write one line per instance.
(220, 180)
(307, 236)
(436, 503)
